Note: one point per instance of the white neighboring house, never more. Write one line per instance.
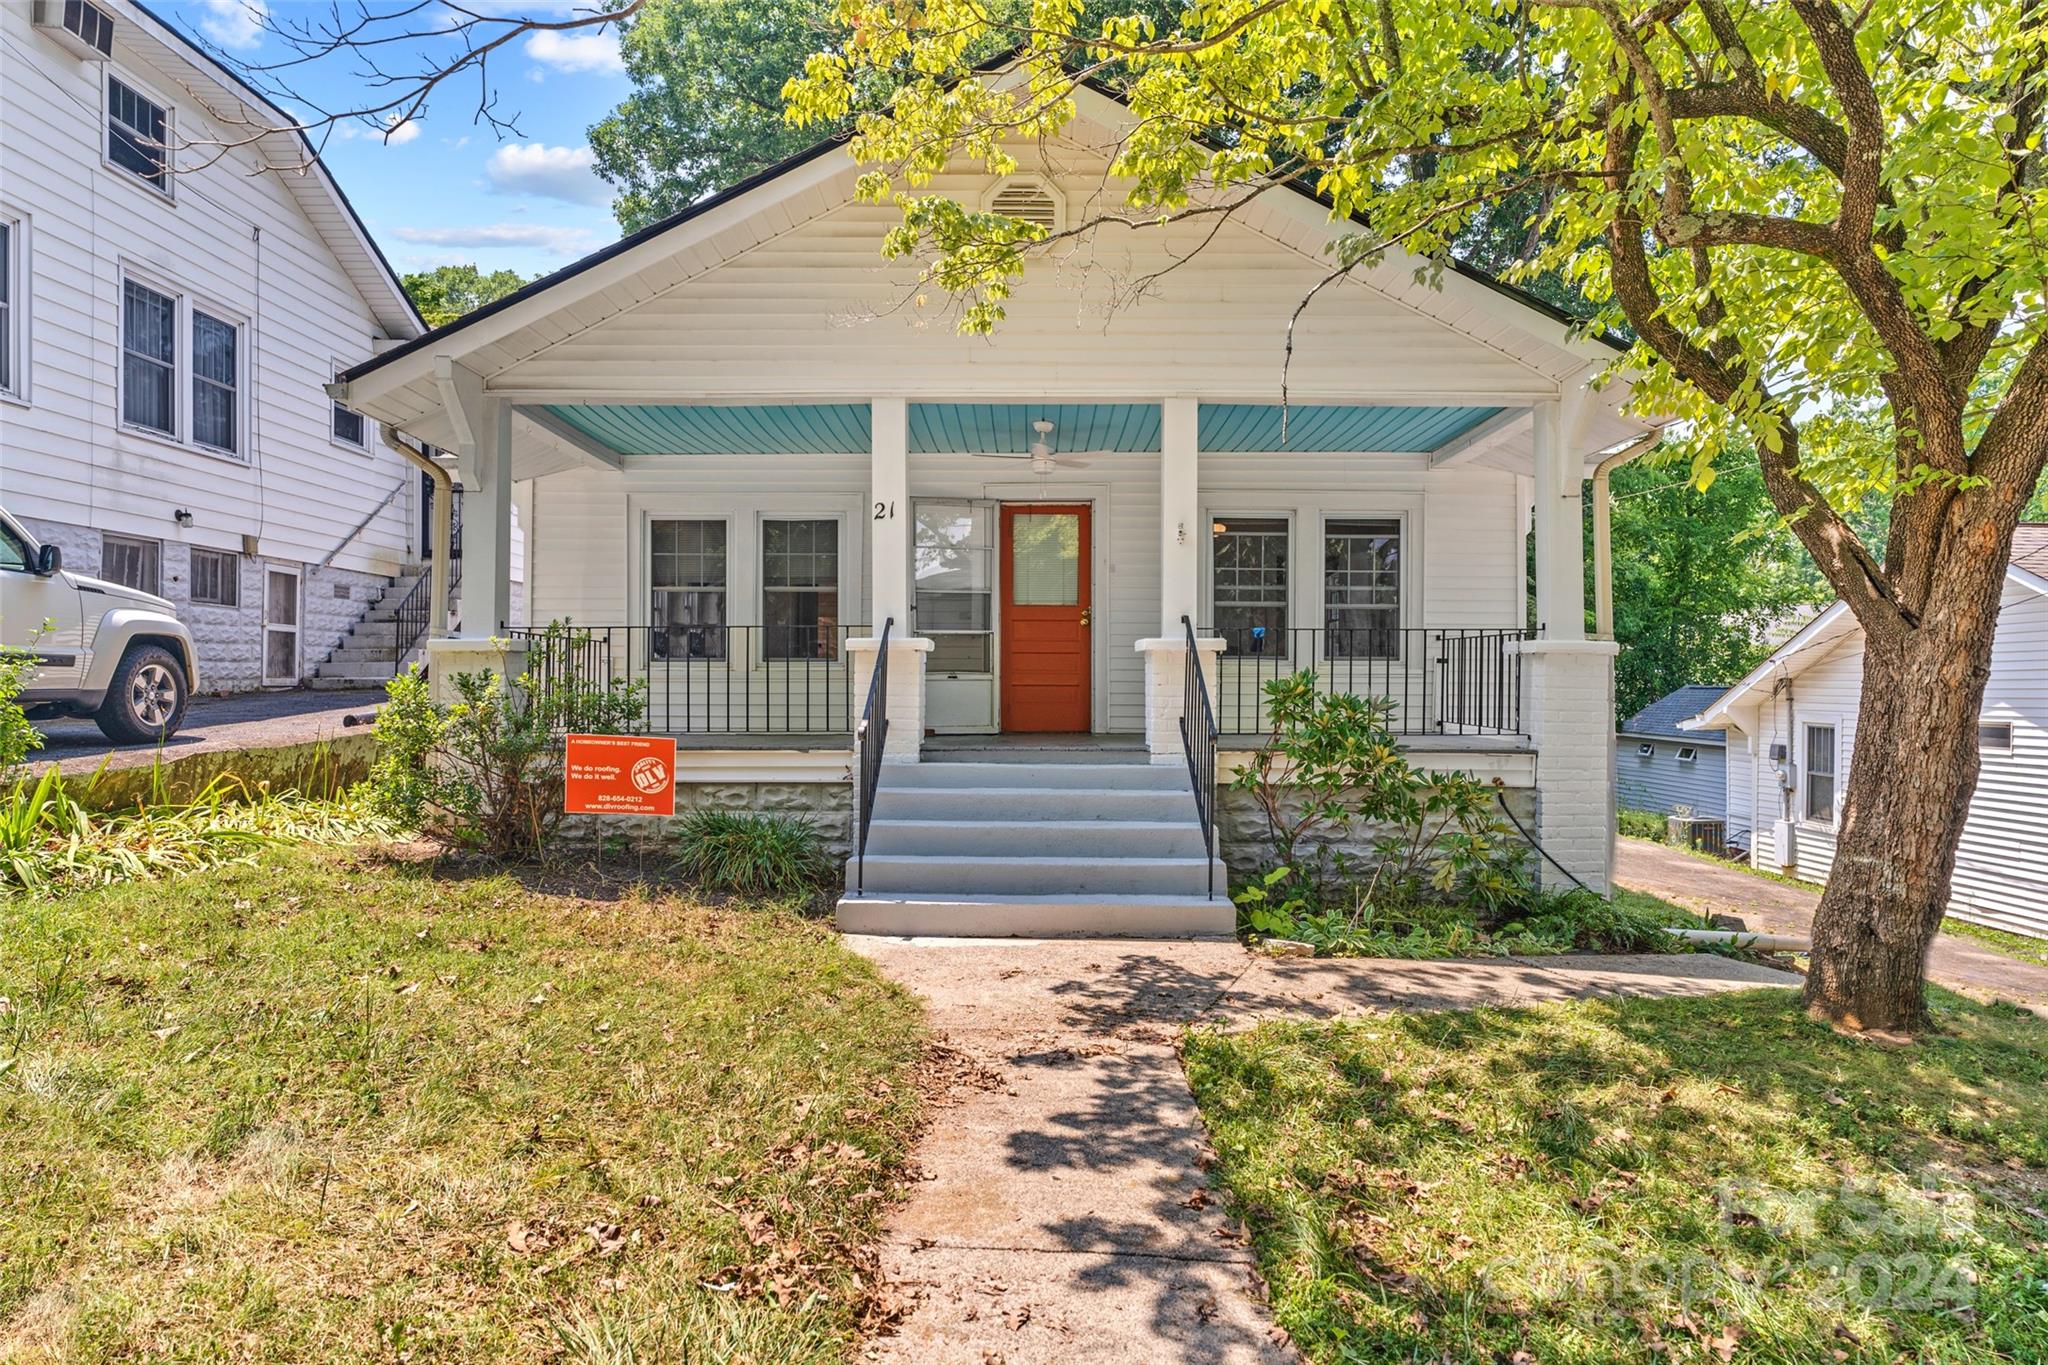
(167, 328)
(753, 451)
(1791, 727)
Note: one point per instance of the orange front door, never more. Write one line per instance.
(1045, 618)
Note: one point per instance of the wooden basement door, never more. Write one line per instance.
(1046, 617)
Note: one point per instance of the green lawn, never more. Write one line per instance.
(331, 1107)
(1600, 1181)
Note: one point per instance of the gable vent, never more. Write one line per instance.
(1028, 201)
(84, 28)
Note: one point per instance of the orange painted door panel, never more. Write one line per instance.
(1046, 616)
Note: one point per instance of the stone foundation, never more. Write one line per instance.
(1246, 847)
(829, 806)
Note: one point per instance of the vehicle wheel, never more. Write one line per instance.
(146, 700)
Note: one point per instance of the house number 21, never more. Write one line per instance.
(884, 511)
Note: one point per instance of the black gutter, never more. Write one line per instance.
(397, 282)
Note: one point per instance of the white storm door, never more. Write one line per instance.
(280, 626)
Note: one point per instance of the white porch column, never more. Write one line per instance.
(889, 585)
(483, 459)
(1568, 680)
(889, 528)
(1181, 536)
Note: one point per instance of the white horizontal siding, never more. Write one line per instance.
(588, 546)
(234, 240)
(2001, 874)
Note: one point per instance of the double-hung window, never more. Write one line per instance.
(800, 588)
(216, 383)
(688, 574)
(347, 427)
(1248, 583)
(1362, 587)
(149, 359)
(1820, 773)
(138, 135)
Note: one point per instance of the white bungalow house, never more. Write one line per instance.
(754, 458)
(1791, 734)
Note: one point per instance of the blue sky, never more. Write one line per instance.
(448, 190)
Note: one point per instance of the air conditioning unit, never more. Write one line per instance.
(79, 25)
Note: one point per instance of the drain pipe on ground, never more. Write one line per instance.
(443, 530)
(1603, 532)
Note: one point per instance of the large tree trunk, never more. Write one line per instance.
(1910, 784)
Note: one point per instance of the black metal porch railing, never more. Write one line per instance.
(712, 680)
(1198, 743)
(1440, 680)
(872, 736)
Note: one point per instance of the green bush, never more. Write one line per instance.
(1331, 772)
(752, 855)
(1642, 824)
(1581, 921)
(18, 738)
(485, 772)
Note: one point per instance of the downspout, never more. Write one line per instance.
(443, 530)
(1603, 533)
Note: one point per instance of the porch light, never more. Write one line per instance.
(1217, 528)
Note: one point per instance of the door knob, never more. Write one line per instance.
(1086, 616)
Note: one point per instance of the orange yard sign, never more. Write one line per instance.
(620, 775)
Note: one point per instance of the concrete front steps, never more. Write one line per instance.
(369, 654)
(1041, 846)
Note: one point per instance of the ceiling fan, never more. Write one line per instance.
(1043, 461)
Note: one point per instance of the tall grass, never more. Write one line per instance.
(752, 855)
(50, 841)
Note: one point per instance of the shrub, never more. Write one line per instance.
(1562, 922)
(1642, 824)
(752, 855)
(485, 772)
(1331, 772)
(18, 738)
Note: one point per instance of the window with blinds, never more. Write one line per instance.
(131, 562)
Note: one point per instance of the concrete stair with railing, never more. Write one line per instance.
(1036, 845)
(370, 654)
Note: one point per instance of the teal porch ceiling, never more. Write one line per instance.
(1005, 428)
(1313, 427)
(709, 429)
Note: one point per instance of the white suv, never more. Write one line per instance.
(105, 651)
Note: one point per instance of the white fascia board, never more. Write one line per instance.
(1816, 631)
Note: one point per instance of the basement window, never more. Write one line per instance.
(1995, 738)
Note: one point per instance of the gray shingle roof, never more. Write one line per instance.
(1660, 718)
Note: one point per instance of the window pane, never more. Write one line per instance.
(800, 588)
(1362, 588)
(1045, 559)
(800, 554)
(13, 554)
(148, 343)
(953, 547)
(688, 554)
(131, 563)
(1995, 738)
(801, 624)
(1820, 772)
(135, 134)
(689, 624)
(952, 611)
(213, 349)
(959, 654)
(216, 578)
(282, 602)
(348, 425)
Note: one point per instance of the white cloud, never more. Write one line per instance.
(559, 241)
(576, 51)
(402, 130)
(535, 168)
(235, 24)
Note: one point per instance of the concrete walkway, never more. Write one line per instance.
(1771, 906)
(1062, 1213)
(242, 721)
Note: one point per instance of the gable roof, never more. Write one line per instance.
(1551, 315)
(1659, 720)
(2027, 568)
(290, 155)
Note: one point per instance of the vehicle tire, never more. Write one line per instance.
(145, 701)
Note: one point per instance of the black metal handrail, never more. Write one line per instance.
(872, 736)
(1439, 680)
(724, 680)
(1198, 742)
(409, 620)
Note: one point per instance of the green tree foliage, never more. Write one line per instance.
(1704, 580)
(1816, 221)
(446, 292)
(706, 108)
